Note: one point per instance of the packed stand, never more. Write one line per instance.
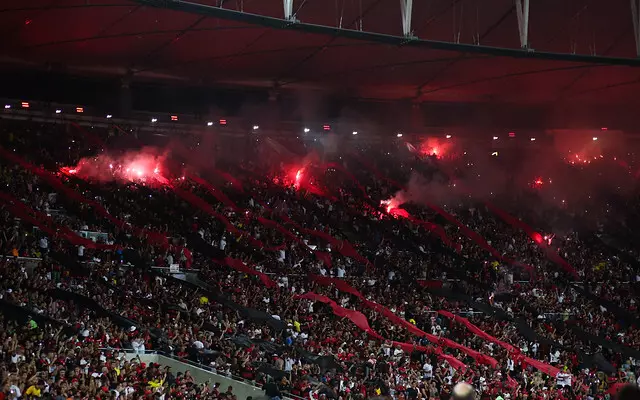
(404, 258)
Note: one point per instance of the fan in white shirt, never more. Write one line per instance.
(428, 370)
(563, 379)
(554, 357)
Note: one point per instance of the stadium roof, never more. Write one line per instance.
(231, 43)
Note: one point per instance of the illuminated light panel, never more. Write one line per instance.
(512, 134)
(326, 127)
(24, 104)
(174, 117)
(223, 122)
(79, 109)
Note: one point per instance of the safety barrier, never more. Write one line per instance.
(242, 388)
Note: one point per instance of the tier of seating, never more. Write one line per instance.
(312, 291)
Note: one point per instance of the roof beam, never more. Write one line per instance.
(406, 10)
(373, 37)
(522, 10)
(635, 7)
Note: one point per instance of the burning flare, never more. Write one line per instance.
(392, 207)
(298, 178)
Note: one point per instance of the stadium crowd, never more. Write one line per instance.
(305, 292)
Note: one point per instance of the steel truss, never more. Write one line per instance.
(635, 7)
(406, 9)
(288, 9)
(522, 10)
(290, 22)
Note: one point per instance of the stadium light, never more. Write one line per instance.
(495, 138)
(58, 111)
(306, 130)
(256, 127)
(109, 116)
(595, 138)
(7, 106)
(354, 133)
(209, 123)
(399, 135)
(533, 139)
(154, 119)
(448, 136)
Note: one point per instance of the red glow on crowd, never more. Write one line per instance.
(537, 183)
(143, 167)
(435, 147)
(580, 159)
(577, 159)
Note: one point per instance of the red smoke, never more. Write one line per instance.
(145, 166)
(436, 147)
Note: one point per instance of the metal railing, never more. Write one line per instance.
(195, 365)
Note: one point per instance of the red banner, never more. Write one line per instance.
(240, 266)
(361, 322)
(215, 192)
(229, 178)
(343, 286)
(534, 235)
(343, 247)
(468, 232)
(342, 169)
(514, 351)
(90, 136)
(206, 207)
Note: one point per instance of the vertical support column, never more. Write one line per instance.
(406, 9)
(635, 7)
(288, 9)
(522, 11)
